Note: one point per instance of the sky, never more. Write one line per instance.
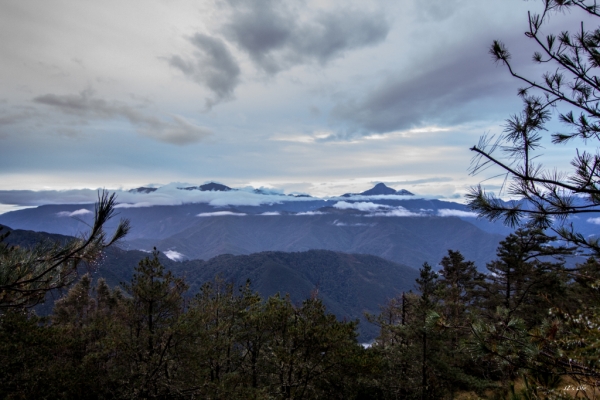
(322, 97)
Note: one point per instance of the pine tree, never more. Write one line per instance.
(527, 278)
(27, 274)
(543, 197)
(149, 347)
(458, 288)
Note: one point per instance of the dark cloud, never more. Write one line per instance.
(15, 116)
(83, 104)
(276, 38)
(450, 90)
(438, 10)
(10, 119)
(15, 121)
(213, 66)
(175, 130)
(457, 84)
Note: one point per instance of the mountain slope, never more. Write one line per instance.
(348, 284)
(406, 240)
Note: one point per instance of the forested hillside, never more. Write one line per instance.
(349, 285)
(524, 330)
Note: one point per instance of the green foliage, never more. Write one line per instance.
(544, 198)
(148, 341)
(25, 355)
(27, 274)
(540, 320)
(423, 337)
(528, 331)
(527, 278)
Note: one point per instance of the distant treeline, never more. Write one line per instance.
(527, 329)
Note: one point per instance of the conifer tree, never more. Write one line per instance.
(527, 278)
(458, 283)
(27, 274)
(427, 285)
(149, 346)
(545, 197)
(226, 342)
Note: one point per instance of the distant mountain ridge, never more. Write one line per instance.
(142, 189)
(350, 285)
(409, 231)
(407, 240)
(209, 187)
(380, 189)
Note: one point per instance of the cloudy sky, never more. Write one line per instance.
(323, 96)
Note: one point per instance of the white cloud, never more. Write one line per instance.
(294, 138)
(75, 213)
(271, 213)
(397, 212)
(405, 133)
(134, 205)
(445, 212)
(174, 255)
(220, 214)
(361, 206)
(316, 136)
(311, 213)
(4, 208)
(594, 220)
(338, 223)
(167, 195)
(383, 197)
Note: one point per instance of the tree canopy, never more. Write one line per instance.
(544, 198)
(27, 274)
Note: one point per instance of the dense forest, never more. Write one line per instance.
(525, 329)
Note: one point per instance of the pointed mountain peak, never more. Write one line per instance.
(379, 189)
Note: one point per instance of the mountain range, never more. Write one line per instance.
(356, 250)
(349, 285)
(407, 230)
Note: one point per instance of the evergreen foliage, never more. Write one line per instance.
(27, 274)
(147, 341)
(526, 330)
(546, 197)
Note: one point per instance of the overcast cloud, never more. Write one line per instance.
(174, 130)
(280, 34)
(213, 66)
(321, 97)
